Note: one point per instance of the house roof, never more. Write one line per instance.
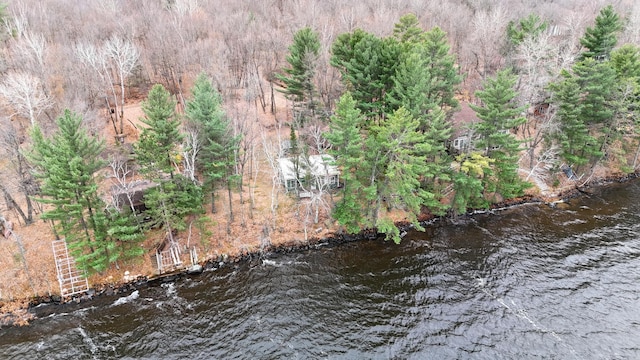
(462, 119)
(323, 165)
(136, 191)
(286, 169)
(319, 165)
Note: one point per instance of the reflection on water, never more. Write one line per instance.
(529, 282)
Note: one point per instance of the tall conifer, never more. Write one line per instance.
(600, 39)
(205, 112)
(155, 152)
(578, 147)
(67, 164)
(298, 78)
(499, 115)
(348, 148)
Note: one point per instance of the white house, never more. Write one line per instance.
(318, 169)
(461, 139)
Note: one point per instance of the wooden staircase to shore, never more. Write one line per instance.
(72, 281)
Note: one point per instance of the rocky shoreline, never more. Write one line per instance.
(35, 307)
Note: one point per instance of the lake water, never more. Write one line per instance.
(531, 282)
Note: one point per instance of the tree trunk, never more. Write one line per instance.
(273, 100)
(213, 201)
(252, 184)
(11, 203)
(111, 114)
(22, 253)
(84, 224)
(242, 214)
(30, 209)
(317, 214)
(635, 158)
(261, 95)
(230, 200)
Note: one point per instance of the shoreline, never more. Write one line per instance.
(21, 311)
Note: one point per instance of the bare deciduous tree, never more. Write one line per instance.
(123, 174)
(123, 56)
(489, 29)
(540, 170)
(191, 146)
(113, 63)
(539, 60)
(535, 57)
(272, 152)
(23, 179)
(315, 200)
(314, 135)
(8, 230)
(247, 132)
(631, 34)
(185, 7)
(31, 47)
(24, 93)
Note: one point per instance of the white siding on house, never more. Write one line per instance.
(461, 143)
(322, 168)
(319, 166)
(287, 173)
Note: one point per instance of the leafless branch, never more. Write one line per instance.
(24, 93)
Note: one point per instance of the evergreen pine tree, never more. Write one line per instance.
(530, 26)
(498, 115)
(67, 165)
(600, 39)
(626, 100)
(296, 155)
(205, 112)
(443, 72)
(424, 84)
(517, 32)
(626, 62)
(157, 145)
(413, 91)
(347, 147)
(169, 203)
(597, 81)
(125, 233)
(407, 30)
(298, 79)
(599, 91)
(205, 108)
(412, 86)
(344, 48)
(155, 153)
(368, 65)
(426, 78)
(404, 152)
(437, 173)
(578, 146)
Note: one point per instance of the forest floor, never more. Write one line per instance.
(249, 232)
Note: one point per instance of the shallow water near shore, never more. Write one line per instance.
(528, 282)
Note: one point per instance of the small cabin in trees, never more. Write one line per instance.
(133, 196)
(309, 173)
(539, 110)
(461, 121)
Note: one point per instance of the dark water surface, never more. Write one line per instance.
(531, 282)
